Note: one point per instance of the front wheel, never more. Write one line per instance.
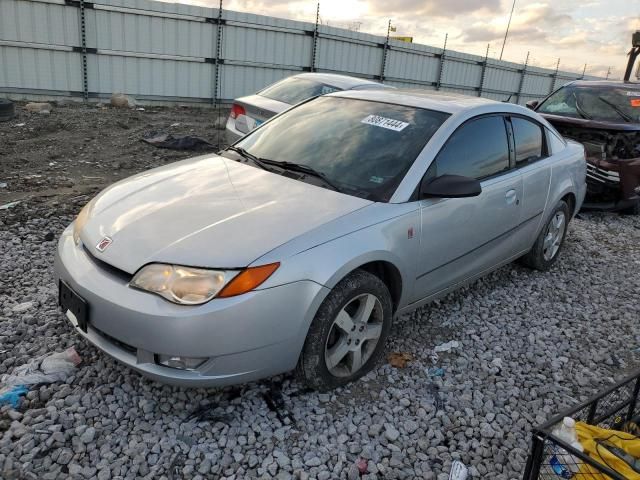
(347, 336)
(551, 239)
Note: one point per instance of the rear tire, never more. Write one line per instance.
(549, 243)
(347, 336)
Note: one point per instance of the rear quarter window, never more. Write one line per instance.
(555, 141)
(529, 141)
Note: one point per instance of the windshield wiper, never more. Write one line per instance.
(579, 109)
(244, 154)
(626, 117)
(297, 167)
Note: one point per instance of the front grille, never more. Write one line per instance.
(600, 175)
(102, 265)
(124, 346)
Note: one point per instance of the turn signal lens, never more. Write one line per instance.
(247, 280)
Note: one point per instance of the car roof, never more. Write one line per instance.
(441, 101)
(343, 82)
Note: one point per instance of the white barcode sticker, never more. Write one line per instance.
(388, 123)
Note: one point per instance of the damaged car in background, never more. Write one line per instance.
(605, 117)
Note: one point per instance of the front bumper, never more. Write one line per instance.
(615, 183)
(245, 338)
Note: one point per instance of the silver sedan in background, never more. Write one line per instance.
(298, 246)
(251, 111)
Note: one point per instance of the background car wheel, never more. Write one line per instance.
(549, 243)
(7, 110)
(347, 336)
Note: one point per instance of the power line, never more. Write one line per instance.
(508, 25)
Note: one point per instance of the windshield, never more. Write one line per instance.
(363, 147)
(295, 90)
(606, 104)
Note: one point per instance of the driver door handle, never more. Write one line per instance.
(512, 197)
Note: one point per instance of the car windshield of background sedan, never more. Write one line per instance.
(606, 104)
(295, 90)
(363, 147)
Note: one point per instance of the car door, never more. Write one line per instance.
(463, 237)
(533, 161)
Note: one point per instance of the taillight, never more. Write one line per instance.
(237, 110)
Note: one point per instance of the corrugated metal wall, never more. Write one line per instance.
(158, 51)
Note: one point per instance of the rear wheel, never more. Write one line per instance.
(346, 338)
(551, 239)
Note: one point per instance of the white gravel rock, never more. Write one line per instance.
(523, 339)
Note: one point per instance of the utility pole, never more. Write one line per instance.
(608, 73)
(508, 25)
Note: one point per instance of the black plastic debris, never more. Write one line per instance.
(171, 142)
(7, 110)
(433, 389)
(274, 399)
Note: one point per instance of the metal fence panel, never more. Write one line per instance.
(169, 52)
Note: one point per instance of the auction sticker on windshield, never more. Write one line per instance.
(388, 123)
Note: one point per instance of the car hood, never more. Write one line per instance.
(208, 212)
(561, 120)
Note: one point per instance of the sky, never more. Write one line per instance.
(578, 32)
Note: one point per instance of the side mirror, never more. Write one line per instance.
(450, 186)
(532, 104)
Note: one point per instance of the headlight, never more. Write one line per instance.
(195, 286)
(185, 285)
(81, 221)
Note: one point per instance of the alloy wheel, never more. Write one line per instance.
(354, 335)
(554, 235)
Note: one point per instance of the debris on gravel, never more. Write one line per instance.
(529, 345)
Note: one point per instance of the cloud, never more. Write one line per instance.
(440, 8)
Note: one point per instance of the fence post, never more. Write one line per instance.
(484, 71)
(442, 59)
(83, 39)
(522, 78)
(216, 64)
(554, 78)
(385, 48)
(216, 75)
(314, 46)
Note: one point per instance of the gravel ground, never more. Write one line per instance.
(531, 344)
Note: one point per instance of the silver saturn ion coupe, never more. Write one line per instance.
(297, 246)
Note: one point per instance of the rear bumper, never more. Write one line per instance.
(244, 338)
(231, 134)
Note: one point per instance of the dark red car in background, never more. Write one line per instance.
(605, 117)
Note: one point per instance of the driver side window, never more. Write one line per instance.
(478, 149)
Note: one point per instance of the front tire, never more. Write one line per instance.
(549, 243)
(347, 336)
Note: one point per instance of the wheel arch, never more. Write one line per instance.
(570, 199)
(380, 265)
